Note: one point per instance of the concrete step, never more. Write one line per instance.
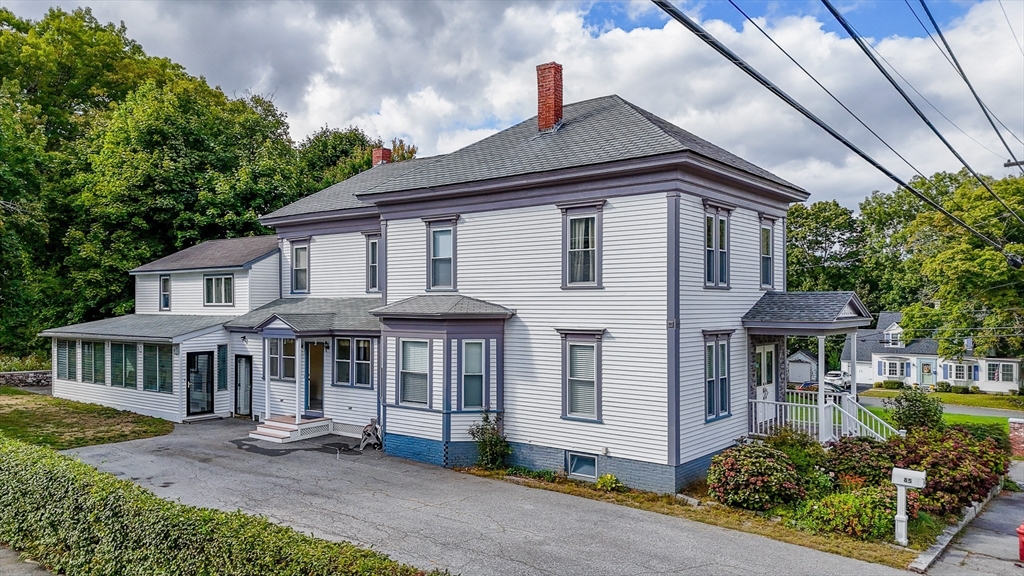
(274, 439)
(272, 433)
(273, 426)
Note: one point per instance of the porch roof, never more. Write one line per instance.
(806, 313)
(313, 315)
(138, 327)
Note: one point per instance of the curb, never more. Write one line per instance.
(928, 557)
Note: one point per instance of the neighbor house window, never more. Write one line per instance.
(93, 362)
(895, 369)
(894, 340)
(581, 246)
(582, 466)
(716, 376)
(716, 247)
(473, 374)
(122, 365)
(372, 265)
(414, 373)
(300, 268)
(767, 270)
(67, 360)
(220, 290)
(959, 372)
(441, 261)
(157, 368)
(1000, 372)
(352, 361)
(165, 292)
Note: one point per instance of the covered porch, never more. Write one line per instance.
(822, 414)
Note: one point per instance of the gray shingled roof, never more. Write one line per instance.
(314, 314)
(814, 307)
(873, 342)
(225, 253)
(886, 319)
(598, 131)
(442, 306)
(139, 326)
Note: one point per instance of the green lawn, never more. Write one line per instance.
(979, 400)
(62, 424)
(952, 419)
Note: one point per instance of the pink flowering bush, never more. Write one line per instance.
(753, 476)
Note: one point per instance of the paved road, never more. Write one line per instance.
(11, 565)
(954, 408)
(431, 517)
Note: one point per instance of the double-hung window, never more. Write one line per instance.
(157, 368)
(716, 375)
(473, 374)
(581, 245)
(67, 360)
(300, 268)
(581, 374)
(372, 264)
(220, 290)
(281, 358)
(94, 362)
(352, 361)
(716, 247)
(441, 255)
(415, 360)
(165, 292)
(767, 254)
(1000, 372)
(122, 365)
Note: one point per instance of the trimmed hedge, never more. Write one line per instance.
(79, 521)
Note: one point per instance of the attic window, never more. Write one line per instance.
(894, 339)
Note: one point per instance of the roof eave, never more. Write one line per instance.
(246, 266)
(802, 327)
(317, 217)
(442, 316)
(119, 337)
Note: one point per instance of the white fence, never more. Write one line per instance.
(845, 417)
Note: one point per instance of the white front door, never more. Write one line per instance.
(765, 374)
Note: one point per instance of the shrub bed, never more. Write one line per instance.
(753, 476)
(866, 513)
(76, 520)
(859, 457)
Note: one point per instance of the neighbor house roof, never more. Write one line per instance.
(806, 353)
(225, 253)
(149, 327)
(886, 319)
(442, 306)
(319, 315)
(873, 342)
(598, 131)
(794, 312)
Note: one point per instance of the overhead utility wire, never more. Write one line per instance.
(963, 75)
(1019, 47)
(711, 41)
(867, 51)
(827, 91)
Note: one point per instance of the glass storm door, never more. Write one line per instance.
(200, 383)
(243, 385)
(315, 377)
(764, 372)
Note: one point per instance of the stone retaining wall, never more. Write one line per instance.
(22, 379)
(1017, 436)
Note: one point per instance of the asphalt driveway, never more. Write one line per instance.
(435, 518)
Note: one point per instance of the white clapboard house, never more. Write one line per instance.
(610, 284)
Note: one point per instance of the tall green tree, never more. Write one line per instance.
(824, 247)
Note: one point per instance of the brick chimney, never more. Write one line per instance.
(549, 96)
(381, 156)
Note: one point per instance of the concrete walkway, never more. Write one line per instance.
(989, 545)
(12, 565)
(954, 408)
(435, 518)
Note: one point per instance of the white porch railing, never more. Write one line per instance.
(842, 414)
(811, 397)
(768, 417)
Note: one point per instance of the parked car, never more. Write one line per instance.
(812, 386)
(837, 378)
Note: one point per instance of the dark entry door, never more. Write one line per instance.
(200, 383)
(243, 385)
(315, 377)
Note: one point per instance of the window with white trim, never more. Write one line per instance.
(441, 257)
(717, 388)
(165, 292)
(300, 268)
(716, 247)
(372, 265)
(67, 360)
(122, 365)
(767, 249)
(352, 361)
(895, 369)
(94, 362)
(959, 372)
(894, 339)
(158, 368)
(281, 358)
(472, 374)
(1000, 372)
(414, 372)
(219, 290)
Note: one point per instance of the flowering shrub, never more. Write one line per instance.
(914, 409)
(850, 482)
(867, 513)
(753, 476)
(862, 457)
(960, 468)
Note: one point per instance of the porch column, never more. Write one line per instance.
(266, 380)
(824, 422)
(853, 365)
(299, 380)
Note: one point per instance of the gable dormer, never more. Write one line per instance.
(894, 336)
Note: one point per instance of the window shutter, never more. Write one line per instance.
(945, 371)
(881, 368)
(977, 369)
(907, 373)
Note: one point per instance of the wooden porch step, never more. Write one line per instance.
(276, 426)
(258, 436)
(273, 433)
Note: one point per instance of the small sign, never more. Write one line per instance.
(908, 478)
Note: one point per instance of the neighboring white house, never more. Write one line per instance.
(885, 354)
(610, 284)
(803, 366)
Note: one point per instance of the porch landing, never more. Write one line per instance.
(282, 429)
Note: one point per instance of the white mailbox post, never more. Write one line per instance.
(904, 479)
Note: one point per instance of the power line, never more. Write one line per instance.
(711, 41)
(963, 75)
(863, 46)
(1019, 47)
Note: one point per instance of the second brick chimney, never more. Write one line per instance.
(381, 156)
(549, 96)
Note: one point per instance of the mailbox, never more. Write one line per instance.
(908, 478)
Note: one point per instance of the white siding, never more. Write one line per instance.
(223, 401)
(147, 294)
(461, 423)
(187, 295)
(418, 423)
(350, 405)
(263, 282)
(711, 309)
(514, 258)
(337, 266)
